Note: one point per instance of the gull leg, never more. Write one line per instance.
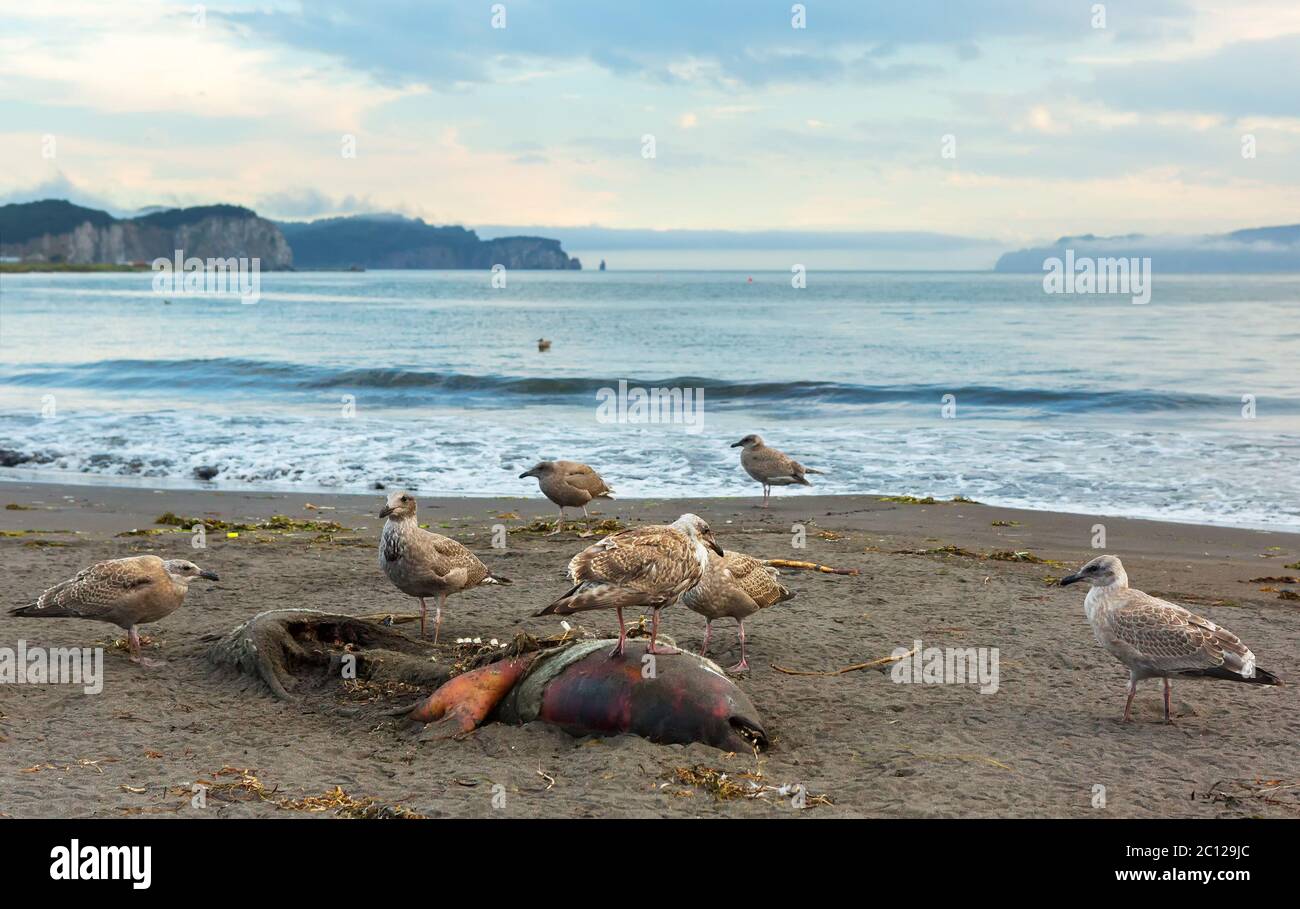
(654, 635)
(1168, 718)
(622, 635)
(559, 525)
(744, 663)
(133, 642)
(424, 611)
(708, 628)
(437, 617)
(1128, 704)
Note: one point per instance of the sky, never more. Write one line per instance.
(1000, 122)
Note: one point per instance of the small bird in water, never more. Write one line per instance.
(642, 568)
(1157, 639)
(770, 466)
(738, 586)
(568, 483)
(126, 592)
(423, 564)
(543, 345)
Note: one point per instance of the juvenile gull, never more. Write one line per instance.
(125, 592)
(423, 564)
(1158, 639)
(738, 586)
(770, 466)
(643, 568)
(568, 483)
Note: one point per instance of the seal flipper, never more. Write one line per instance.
(470, 697)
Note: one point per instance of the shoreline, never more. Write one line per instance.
(949, 575)
(17, 477)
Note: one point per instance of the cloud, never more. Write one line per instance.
(1240, 79)
(726, 42)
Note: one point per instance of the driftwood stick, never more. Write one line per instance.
(809, 566)
(873, 664)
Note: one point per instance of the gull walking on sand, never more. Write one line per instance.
(568, 483)
(1158, 639)
(738, 586)
(770, 466)
(641, 568)
(423, 564)
(126, 592)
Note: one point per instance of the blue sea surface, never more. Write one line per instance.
(433, 380)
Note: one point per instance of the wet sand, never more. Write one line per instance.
(1037, 747)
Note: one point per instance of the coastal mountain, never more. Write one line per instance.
(394, 241)
(57, 232)
(1257, 249)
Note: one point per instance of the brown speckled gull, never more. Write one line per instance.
(642, 568)
(126, 592)
(1158, 639)
(738, 586)
(770, 466)
(423, 564)
(568, 483)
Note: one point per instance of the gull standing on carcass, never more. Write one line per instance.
(770, 466)
(568, 483)
(126, 592)
(641, 568)
(1157, 639)
(423, 564)
(734, 585)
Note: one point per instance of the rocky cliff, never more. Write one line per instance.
(392, 241)
(56, 231)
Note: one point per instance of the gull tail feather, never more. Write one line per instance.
(1261, 676)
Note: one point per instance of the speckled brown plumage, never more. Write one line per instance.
(734, 585)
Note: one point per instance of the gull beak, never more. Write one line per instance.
(210, 575)
(713, 544)
(385, 511)
(736, 444)
(526, 473)
(1069, 579)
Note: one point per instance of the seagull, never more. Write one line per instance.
(423, 564)
(1158, 639)
(568, 483)
(126, 592)
(770, 466)
(734, 585)
(644, 567)
(543, 345)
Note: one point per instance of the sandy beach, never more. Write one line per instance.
(1037, 747)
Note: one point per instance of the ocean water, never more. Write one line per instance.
(433, 380)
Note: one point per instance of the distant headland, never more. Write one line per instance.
(56, 235)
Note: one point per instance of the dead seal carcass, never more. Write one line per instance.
(299, 655)
(584, 691)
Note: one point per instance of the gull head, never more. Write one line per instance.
(538, 470)
(1102, 571)
(750, 441)
(183, 572)
(697, 531)
(400, 504)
